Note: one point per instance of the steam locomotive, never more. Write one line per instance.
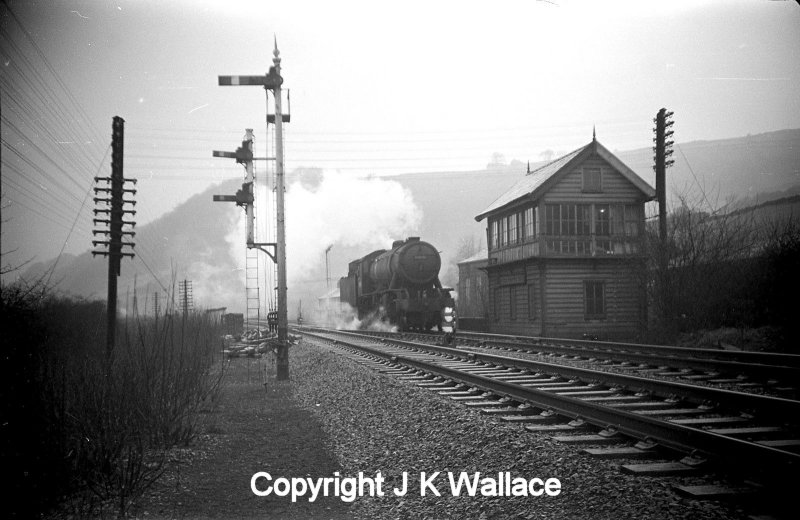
(400, 285)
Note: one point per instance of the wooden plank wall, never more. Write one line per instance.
(616, 188)
(563, 299)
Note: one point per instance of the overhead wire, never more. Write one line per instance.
(66, 240)
(52, 146)
(57, 114)
(56, 216)
(696, 180)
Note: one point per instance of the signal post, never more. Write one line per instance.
(272, 81)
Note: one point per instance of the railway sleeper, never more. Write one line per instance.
(502, 410)
(624, 452)
(659, 469)
(437, 383)
(642, 405)
(673, 411)
(456, 392)
(522, 410)
(716, 492)
(707, 421)
(500, 403)
(591, 438)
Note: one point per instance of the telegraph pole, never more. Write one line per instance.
(663, 150)
(327, 271)
(273, 81)
(114, 208)
(185, 293)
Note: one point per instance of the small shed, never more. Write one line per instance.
(330, 310)
(472, 303)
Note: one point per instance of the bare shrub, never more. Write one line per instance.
(102, 426)
(721, 269)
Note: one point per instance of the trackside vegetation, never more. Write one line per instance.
(87, 432)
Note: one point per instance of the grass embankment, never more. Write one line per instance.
(255, 427)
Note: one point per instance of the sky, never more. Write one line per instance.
(376, 88)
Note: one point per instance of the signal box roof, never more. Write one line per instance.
(537, 182)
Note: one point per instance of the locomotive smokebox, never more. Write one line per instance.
(412, 262)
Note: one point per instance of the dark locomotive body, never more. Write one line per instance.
(400, 285)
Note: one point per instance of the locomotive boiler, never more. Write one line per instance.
(399, 285)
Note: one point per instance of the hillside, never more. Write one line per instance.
(203, 241)
(186, 243)
(755, 168)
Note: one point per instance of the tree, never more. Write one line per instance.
(497, 161)
(466, 248)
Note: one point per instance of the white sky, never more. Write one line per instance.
(376, 88)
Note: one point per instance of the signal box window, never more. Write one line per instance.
(592, 180)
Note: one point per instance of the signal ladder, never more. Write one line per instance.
(252, 288)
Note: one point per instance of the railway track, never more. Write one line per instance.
(689, 427)
(755, 372)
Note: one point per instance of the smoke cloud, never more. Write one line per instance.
(344, 210)
(323, 208)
